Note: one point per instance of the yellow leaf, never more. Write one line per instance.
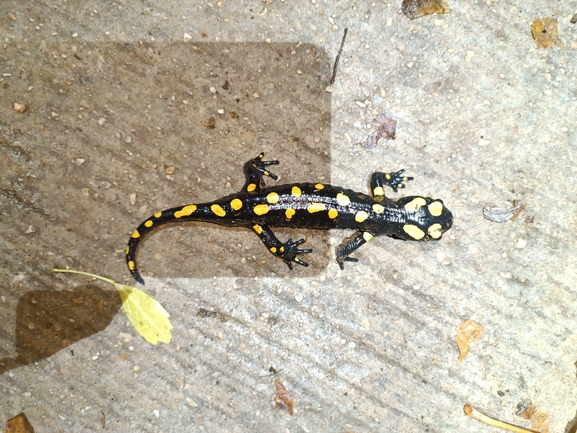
(147, 316)
(145, 313)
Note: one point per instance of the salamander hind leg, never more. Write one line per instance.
(349, 245)
(287, 251)
(255, 170)
(394, 180)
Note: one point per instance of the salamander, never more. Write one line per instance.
(309, 206)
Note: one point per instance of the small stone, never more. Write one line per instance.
(101, 121)
(125, 337)
(521, 243)
(19, 108)
(186, 37)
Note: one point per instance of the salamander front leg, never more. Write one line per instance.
(286, 251)
(393, 180)
(350, 245)
(255, 170)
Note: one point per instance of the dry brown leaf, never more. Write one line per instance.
(503, 214)
(19, 424)
(414, 9)
(545, 32)
(386, 128)
(282, 398)
(468, 332)
(539, 420)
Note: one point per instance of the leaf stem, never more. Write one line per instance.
(98, 277)
(473, 413)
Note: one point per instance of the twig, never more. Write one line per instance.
(338, 57)
(473, 413)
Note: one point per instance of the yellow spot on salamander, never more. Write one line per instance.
(360, 216)
(296, 191)
(414, 232)
(236, 203)
(185, 211)
(388, 176)
(272, 198)
(131, 265)
(415, 204)
(261, 209)
(319, 186)
(251, 187)
(333, 214)
(135, 234)
(148, 224)
(343, 200)
(289, 213)
(378, 191)
(127, 249)
(435, 231)
(157, 214)
(257, 229)
(367, 236)
(273, 250)
(217, 210)
(316, 207)
(281, 249)
(378, 208)
(436, 208)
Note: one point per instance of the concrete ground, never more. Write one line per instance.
(134, 107)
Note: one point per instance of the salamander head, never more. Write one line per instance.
(426, 219)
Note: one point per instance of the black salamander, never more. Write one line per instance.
(310, 206)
